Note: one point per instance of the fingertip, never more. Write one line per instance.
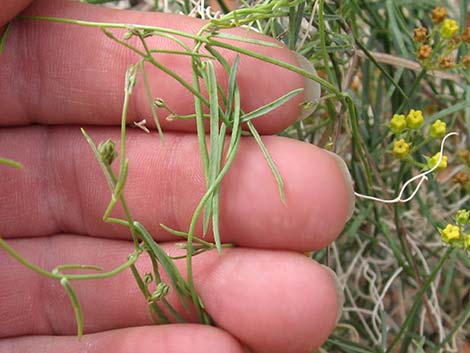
(273, 301)
(175, 338)
(319, 197)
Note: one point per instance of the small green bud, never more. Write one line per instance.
(148, 278)
(161, 291)
(462, 217)
(107, 151)
(438, 129)
(466, 242)
(160, 103)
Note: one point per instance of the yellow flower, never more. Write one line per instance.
(434, 159)
(462, 217)
(450, 233)
(449, 28)
(398, 123)
(438, 129)
(414, 119)
(400, 148)
(466, 242)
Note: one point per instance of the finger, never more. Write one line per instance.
(62, 188)
(66, 74)
(10, 9)
(162, 339)
(273, 301)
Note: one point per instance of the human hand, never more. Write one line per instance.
(264, 294)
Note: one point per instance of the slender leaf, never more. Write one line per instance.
(265, 109)
(270, 161)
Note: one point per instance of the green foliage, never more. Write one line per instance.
(402, 295)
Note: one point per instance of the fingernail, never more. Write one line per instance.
(349, 182)
(312, 89)
(339, 292)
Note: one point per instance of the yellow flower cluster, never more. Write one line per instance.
(455, 234)
(413, 120)
(398, 124)
(449, 28)
(434, 47)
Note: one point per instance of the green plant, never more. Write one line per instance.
(380, 64)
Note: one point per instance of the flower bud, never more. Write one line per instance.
(420, 34)
(438, 15)
(449, 28)
(424, 51)
(107, 151)
(398, 123)
(434, 159)
(450, 233)
(438, 129)
(414, 119)
(400, 148)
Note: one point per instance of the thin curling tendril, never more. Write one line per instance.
(422, 178)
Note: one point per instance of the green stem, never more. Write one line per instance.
(131, 260)
(11, 163)
(114, 25)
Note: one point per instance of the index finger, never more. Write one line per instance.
(65, 74)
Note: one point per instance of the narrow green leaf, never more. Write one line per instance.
(232, 81)
(447, 111)
(179, 284)
(295, 19)
(211, 84)
(216, 196)
(75, 305)
(397, 34)
(181, 52)
(350, 346)
(201, 131)
(231, 36)
(185, 235)
(236, 130)
(11, 163)
(270, 161)
(263, 110)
